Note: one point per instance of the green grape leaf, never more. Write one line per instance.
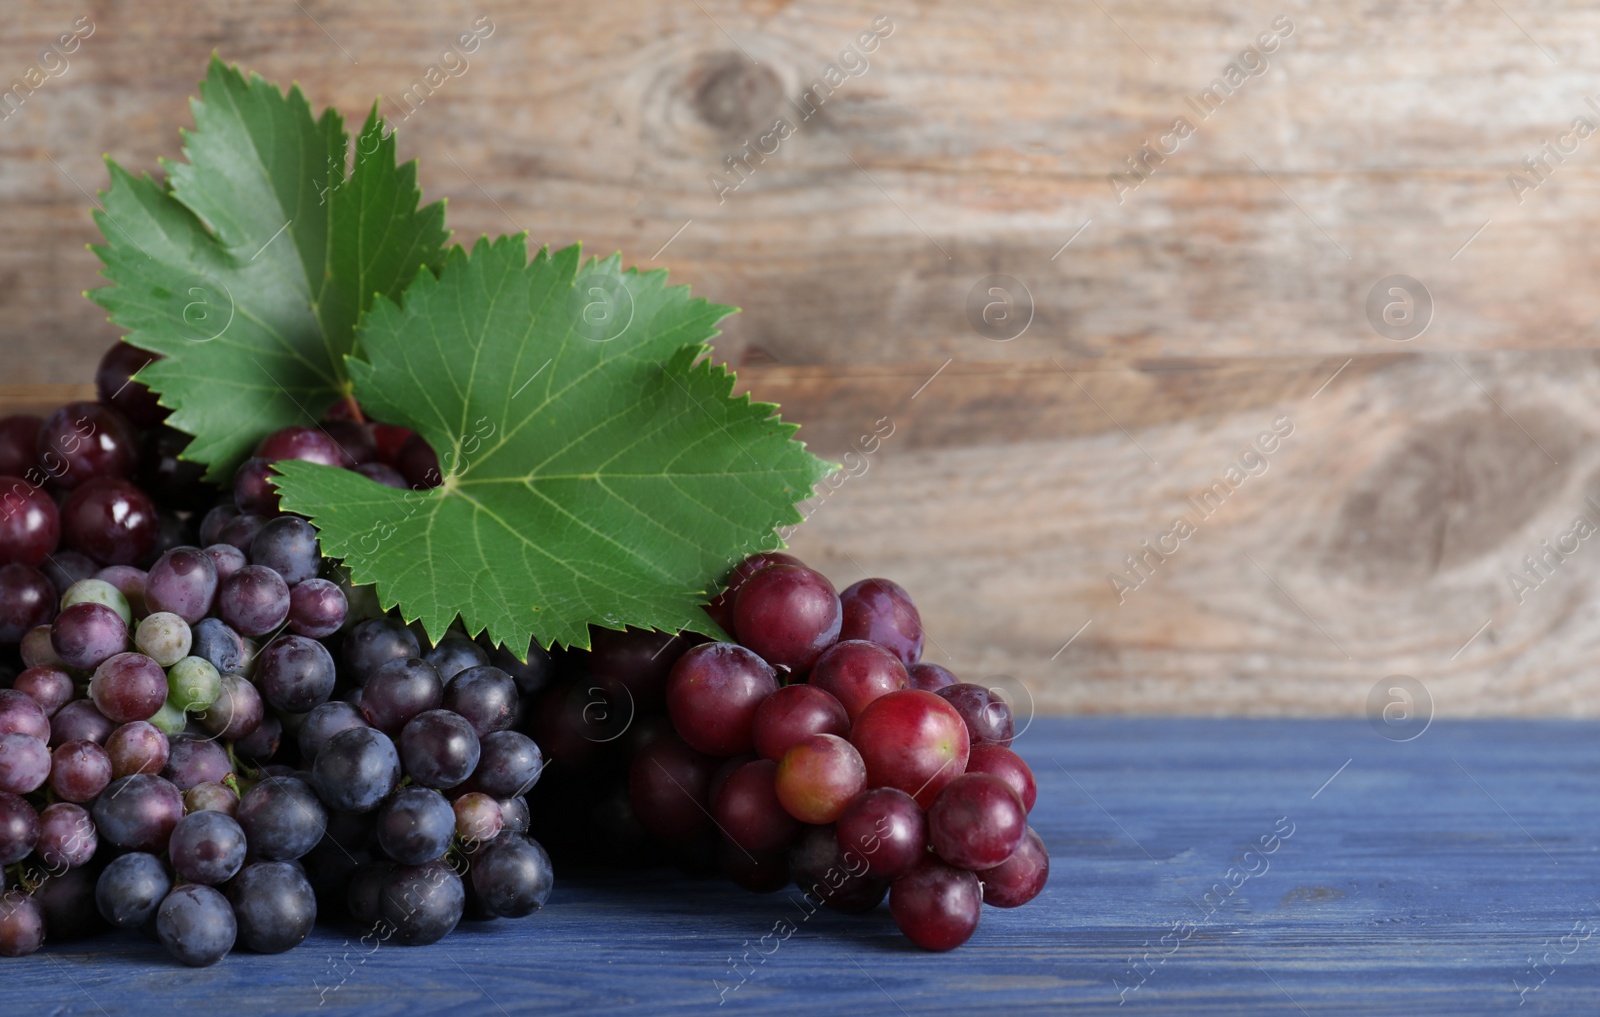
(596, 467)
(249, 268)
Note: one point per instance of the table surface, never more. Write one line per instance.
(1451, 874)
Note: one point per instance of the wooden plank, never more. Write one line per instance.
(1397, 887)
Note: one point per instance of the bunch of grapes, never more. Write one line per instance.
(818, 750)
(206, 733)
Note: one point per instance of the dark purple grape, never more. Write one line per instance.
(824, 872)
(930, 677)
(253, 492)
(21, 924)
(439, 749)
(237, 711)
(79, 771)
(514, 814)
(261, 745)
(274, 905)
(80, 721)
(173, 482)
(288, 546)
(364, 896)
(485, 695)
(218, 517)
(532, 674)
(747, 810)
(254, 601)
(19, 828)
(398, 690)
(127, 687)
(509, 764)
(455, 654)
(419, 464)
(886, 828)
(712, 696)
(110, 520)
(196, 925)
(311, 444)
(788, 615)
(976, 822)
(83, 440)
(207, 847)
(49, 687)
(138, 812)
(113, 381)
(512, 876)
(323, 723)
(377, 641)
(987, 715)
(67, 837)
(422, 903)
(19, 442)
(129, 582)
(354, 441)
(192, 761)
(27, 599)
(24, 763)
(227, 559)
(295, 674)
(183, 581)
(215, 641)
(30, 524)
(936, 905)
(283, 818)
(317, 608)
(20, 714)
(384, 474)
(416, 825)
(139, 747)
(66, 567)
(356, 770)
(130, 890)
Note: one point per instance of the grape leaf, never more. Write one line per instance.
(249, 269)
(596, 467)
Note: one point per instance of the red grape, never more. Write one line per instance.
(127, 687)
(856, 672)
(712, 696)
(793, 713)
(87, 634)
(111, 521)
(19, 828)
(669, 784)
(252, 488)
(748, 812)
(936, 906)
(353, 440)
(976, 822)
(987, 715)
(641, 659)
(836, 878)
(311, 444)
(721, 607)
(66, 836)
(419, 464)
(390, 439)
(139, 747)
(21, 714)
(24, 763)
(879, 610)
(788, 614)
(911, 740)
(82, 440)
(50, 687)
(30, 525)
(930, 677)
(1018, 879)
(986, 757)
(27, 599)
(818, 776)
(887, 829)
(112, 380)
(80, 721)
(79, 771)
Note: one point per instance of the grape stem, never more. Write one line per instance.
(355, 408)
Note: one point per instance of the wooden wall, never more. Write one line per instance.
(1226, 291)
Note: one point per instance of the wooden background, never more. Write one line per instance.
(1225, 292)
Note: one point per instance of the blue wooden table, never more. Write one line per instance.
(1199, 867)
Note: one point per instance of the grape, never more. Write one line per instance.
(21, 924)
(110, 520)
(98, 591)
(27, 599)
(66, 567)
(67, 837)
(509, 764)
(485, 695)
(183, 581)
(138, 812)
(669, 786)
(19, 440)
(976, 822)
(747, 810)
(856, 672)
(283, 818)
(130, 890)
(356, 770)
(236, 712)
(936, 906)
(384, 474)
(364, 897)
(311, 444)
(479, 818)
(85, 440)
(113, 381)
(512, 876)
(398, 690)
(261, 744)
(416, 825)
(712, 696)
(196, 925)
(218, 643)
(1020, 878)
(439, 749)
(531, 674)
(253, 491)
(788, 614)
(880, 611)
(35, 646)
(207, 847)
(390, 440)
(825, 873)
(19, 828)
(79, 771)
(354, 441)
(317, 608)
(254, 600)
(215, 519)
(323, 723)
(24, 763)
(793, 713)
(274, 906)
(638, 658)
(173, 482)
(422, 903)
(211, 797)
(454, 654)
(227, 559)
(192, 761)
(295, 673)
(30, 525)
(721, 608)
(20, 714)
(129, 582)
(514, 814)
(887, 829)
(80, 721)
(49, 687)
(67, 899)
(987, 757)
(288, 546)
(128, 686)
(419, 464)
(137, 748)
(170, 720)
(817, 777)
(377, 641)
(193, 684)
(911, 740)
(164, 638)
(987, 715)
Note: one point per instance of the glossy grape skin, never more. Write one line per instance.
(129, 582)
(127, 687)
(322, 723)
(712, 696)
(192, 761)
(67, 838)
(183, 581)
(747, 810)
(817, 777)
(27, 599)
(512, 876)
(66, 567)
(30, 523)
(669, 786)
(887, 829)
(509, 764)
(24, 763)
(111, 521)
(514, 814)
(21, 924)
(207, 847)
(217, 642)
(422, 903)
(98, 591)
(274, 906)
(164, 638)
(881, 611)
(79, 771)
(1000, 761)
(439, 749)
(35, 646)
(987, 715)
(254, 601)
(237, 710)
(310, 444)
(374, 642)
(253, 494)
(138, 812)
(825, 873)
(288, 546)
(49, 687)
(911, 740)
(131, 888)
(789, 615)
(317, 608)
(137, 748)
(936, 906)
(211, 797)
(398, 690)
(454, 654)
(295, 674)
(356, 770)
(856, 672)
(113, 383)
(19, 828)
(976, 822)
(283, 818)
(1020, 878)
(83, 440)
(227, 559)
(479, 818)
(486, 696)
(416, 825)
(196, 925)
(80, 721)
(19, 442)
(20, 714)
(721, 607)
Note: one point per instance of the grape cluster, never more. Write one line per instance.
(207, 734)
(817, 750)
